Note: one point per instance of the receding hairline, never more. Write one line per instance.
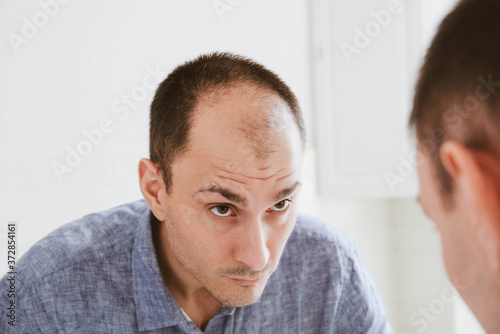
(257, 129)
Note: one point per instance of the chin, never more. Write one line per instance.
(241, 296)
(239, 301)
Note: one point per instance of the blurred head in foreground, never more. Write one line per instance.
(456, 118)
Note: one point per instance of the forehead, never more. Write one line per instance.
(242, 106)
(244, 130)
(242, 114)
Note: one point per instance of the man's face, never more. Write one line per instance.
(231, 211)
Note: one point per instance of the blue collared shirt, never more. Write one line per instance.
(99, 274)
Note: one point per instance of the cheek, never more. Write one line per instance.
(279, 236)
(451, 258)
(189, 226)
(431, 202)
(429, 196)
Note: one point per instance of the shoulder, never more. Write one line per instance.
(316, 234)
(319, 252)
(320, 268)
(93, 238)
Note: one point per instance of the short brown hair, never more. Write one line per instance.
(173, 104)
(457, 95)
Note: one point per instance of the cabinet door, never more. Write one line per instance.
(365, 56)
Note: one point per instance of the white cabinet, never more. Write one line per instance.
(365, 56)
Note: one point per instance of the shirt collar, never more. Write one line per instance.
(155, 306)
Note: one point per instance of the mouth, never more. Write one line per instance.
(246, 282)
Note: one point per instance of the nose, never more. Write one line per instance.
(251, 248)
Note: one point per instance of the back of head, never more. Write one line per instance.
(177, 96)
(457, 96)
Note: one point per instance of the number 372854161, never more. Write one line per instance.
(11, 246)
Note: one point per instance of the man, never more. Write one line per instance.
(456, 116)
(217, 245)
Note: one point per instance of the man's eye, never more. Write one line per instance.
(221, 210)
(281, 206)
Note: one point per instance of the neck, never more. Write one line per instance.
(194, 299)
(199, 310)
(486, 308)
(483, 298)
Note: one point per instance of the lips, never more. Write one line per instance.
(245, 282)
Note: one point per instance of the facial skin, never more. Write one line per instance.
(225, 224)
(470, 227)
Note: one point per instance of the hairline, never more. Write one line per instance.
(183, 149)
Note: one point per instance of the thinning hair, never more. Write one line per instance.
(173, 105)
(457, 96)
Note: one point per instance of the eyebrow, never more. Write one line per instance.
(224, 192)
(239, 199)
(287, 191)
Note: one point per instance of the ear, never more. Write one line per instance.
(152, 186)
(476, 177)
